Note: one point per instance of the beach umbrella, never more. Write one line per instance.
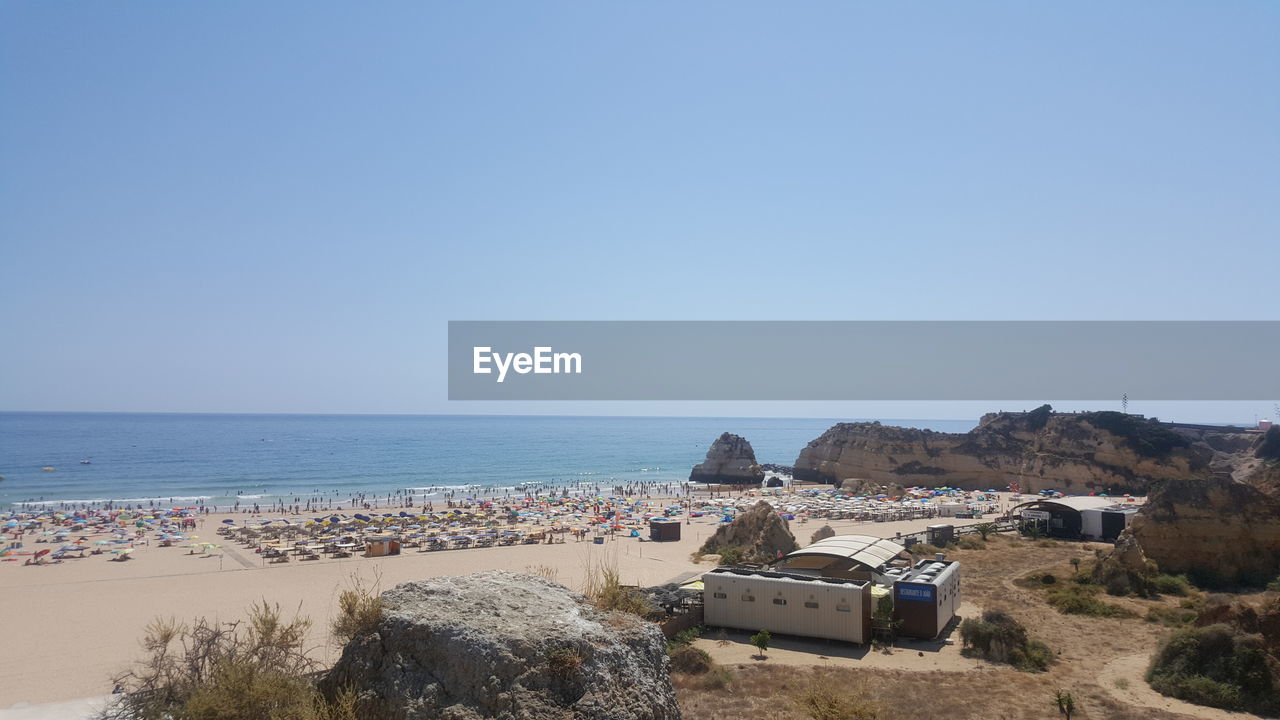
(229, 522)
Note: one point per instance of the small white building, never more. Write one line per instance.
(754, 600)
(1106, 523)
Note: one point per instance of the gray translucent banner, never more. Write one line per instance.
(857, 360)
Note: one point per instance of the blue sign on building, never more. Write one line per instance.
(918, 593)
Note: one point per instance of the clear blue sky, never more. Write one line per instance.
(245, 206)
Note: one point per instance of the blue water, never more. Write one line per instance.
(145, 458)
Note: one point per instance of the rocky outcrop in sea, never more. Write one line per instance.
(730, 460)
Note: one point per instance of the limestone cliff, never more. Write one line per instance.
(730, 460)
(1074, 453)
(1217, 530)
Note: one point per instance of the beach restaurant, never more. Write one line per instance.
(1060, 517)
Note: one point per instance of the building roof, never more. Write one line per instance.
(1077, 503)
(867, 550)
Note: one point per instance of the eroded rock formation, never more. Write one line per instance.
(730, 460)
(760, 532)
(503, 645)
(1218, 530)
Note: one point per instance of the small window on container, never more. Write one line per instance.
(748, 598)
(811, 605)
(779, 601)
(720, 596)
(843, 608)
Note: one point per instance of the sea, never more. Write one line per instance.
(162, 459)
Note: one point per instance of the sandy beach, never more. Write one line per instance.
(70, 626)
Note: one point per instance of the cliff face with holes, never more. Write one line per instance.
(1077, 454)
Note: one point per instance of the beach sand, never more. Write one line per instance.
(69, 627)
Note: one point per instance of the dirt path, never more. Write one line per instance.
(1130, 671)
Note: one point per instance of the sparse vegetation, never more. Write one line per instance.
(1171, 616)
(717, 678)
(360, 610)
(924, 549)
(822, 702)
(603, 586)
(731, 554)
(546, 572)
(563, 662)
(1217, 666)
(690, 660)
(997, 637)
(969, 542)
(1170, 585)
(1145, 436)
(255, 668)
(1066, 703)
(1078, 599)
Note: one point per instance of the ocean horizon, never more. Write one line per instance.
(218, 459)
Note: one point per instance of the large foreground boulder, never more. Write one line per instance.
(730, 460)
(503, 645)
(759, 534)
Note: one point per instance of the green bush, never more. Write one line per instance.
(1170, 585)
(997, 637)
(1076, 599)
(1171, 617)
(731, 554)
(1217, 666)
(761, 641)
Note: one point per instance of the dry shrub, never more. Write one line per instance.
(255, 668)
(690, 660)
(821, 702)
(717, 678)
(360, 610)
(603, 586)
(546, 572)
(999, 638)
(563, 663)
